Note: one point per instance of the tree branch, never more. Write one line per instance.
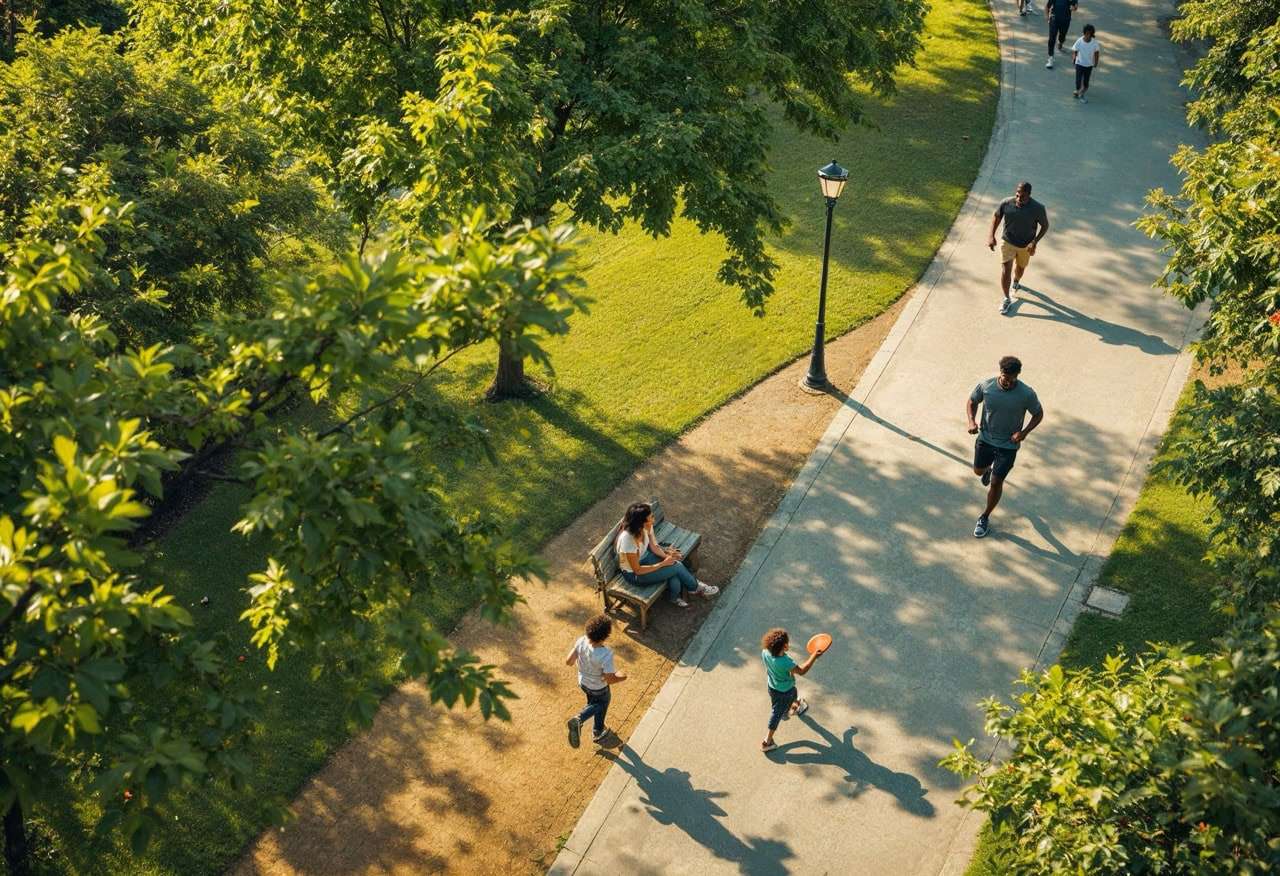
(399, 393)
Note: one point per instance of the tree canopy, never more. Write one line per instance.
(609, 113)
(102, 672)
(210, 194)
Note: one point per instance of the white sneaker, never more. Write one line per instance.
(1005, 305)
(707, 590)
(680, 603)
(1048, 65)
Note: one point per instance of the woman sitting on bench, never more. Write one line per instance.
(644, 561)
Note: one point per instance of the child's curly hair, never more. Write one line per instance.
(775, 640)
(599, 628)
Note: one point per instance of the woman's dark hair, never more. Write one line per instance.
(599, 628)
(1010, 365)
(775, 640)
(637, 514)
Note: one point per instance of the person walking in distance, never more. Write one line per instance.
(1058, 12)
(1005, 403)
(1025, 223)
(1086, 52)
(595, 674)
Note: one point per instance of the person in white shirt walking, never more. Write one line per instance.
(1086, 52)
(596, 673)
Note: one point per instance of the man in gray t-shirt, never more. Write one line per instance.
(1005, 403)
(1025, 223)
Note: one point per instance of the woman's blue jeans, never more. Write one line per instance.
(676, 576)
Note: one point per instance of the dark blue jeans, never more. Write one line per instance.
(677, 576)
(780, 700)
(597, 707)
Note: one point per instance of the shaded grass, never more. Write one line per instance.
(663, 345)
(1158, 561)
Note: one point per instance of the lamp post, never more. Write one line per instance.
(832, 179)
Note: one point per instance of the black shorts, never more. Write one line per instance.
(999, 458)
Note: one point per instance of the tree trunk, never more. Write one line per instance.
(509, 381)
(17, 856)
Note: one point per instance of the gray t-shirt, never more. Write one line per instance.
(1003, 411)
(1020, 222)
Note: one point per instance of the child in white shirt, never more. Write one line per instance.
(595, 673)
(1086, 52)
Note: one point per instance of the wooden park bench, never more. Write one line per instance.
(615, 590)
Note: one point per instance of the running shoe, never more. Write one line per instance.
(1005, 305)
(1048, 65)
(575, 732)
(980, 530)
(986, 477)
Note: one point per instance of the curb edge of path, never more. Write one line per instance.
(617, 779)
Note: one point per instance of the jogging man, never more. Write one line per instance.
(1058, 12)
(1025, 223)
(1005, 403)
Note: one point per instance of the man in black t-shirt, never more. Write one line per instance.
(1058, 12)
(1025, 222)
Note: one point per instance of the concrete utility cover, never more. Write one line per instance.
(1107, 601)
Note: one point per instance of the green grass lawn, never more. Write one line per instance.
(1157, 561)
(663, 345)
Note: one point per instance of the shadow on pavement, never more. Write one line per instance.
(860, 771)
(670, 798)
(1107, 332)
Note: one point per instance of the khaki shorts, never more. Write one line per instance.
(1009, 253)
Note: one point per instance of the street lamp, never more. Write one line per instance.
(832, 179)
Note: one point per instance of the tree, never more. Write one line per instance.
(638, 111)
(99, 669)
(210, 195)
(1168, 764)
(1222, 233)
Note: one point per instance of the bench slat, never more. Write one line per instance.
(646, 593)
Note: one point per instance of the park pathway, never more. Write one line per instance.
(874, 541)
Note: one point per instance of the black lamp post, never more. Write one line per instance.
(832, 179)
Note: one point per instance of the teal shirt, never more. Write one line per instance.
(779, 670)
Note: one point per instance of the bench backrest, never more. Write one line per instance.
(604, 556)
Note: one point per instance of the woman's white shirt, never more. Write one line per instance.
(629, 544)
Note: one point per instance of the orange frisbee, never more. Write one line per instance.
(819, 643)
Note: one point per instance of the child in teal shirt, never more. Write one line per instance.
(781, 671)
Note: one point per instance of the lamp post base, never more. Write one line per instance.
(814, 387)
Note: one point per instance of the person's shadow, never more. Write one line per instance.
(670, 798)
(862, 772)
(1107, 332)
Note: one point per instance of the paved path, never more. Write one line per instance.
(873, 543)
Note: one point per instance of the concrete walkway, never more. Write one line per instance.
(874, 541)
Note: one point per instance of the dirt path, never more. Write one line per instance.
(427, 790)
